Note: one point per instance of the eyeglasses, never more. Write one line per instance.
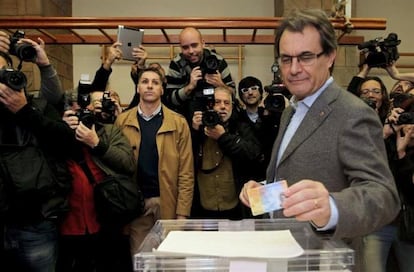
(305, 59)
(252, 88)
(373, 91)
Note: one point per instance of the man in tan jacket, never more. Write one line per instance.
(161, 143)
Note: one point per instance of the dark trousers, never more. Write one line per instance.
(107, 251)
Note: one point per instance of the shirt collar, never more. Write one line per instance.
(149, 117)
(309, 100)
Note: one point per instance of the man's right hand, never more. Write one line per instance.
(113, 53)
(197, 120)
(195, 76)
(71, 119)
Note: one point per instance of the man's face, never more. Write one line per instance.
(302, 79)
(150, 87)
(251, 95)
(96, 101)
(223, 104)
(402, 86)
(191, 45)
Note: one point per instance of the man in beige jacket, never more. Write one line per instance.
(161, 143)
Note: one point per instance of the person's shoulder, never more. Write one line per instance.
(169, 113)
(125, 115)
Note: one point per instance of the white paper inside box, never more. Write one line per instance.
(259, 245)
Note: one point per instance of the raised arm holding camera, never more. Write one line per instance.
(34, 181)
(194, 70)
(28, 50)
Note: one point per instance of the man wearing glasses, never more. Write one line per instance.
(264, 121)
(329, 147)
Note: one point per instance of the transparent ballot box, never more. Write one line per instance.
(316, 252)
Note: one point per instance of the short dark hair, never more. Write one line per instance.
(247, 82)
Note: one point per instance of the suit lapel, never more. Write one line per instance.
(284, 122)
(318, 112)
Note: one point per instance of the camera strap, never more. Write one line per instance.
(19, 67)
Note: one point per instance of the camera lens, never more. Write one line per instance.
(211, 64)
(406, 118)
(210, 118)
(16, 80)
(26, 52)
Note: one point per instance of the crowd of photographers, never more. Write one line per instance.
(390, 247)
(230, 131)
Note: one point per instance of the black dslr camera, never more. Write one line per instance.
(277, 92)
(23, 51)
(108, 108)
(14, 79)
(210, 64)
(406, 102)
(381, 52)
(210, 117)
(84, 115)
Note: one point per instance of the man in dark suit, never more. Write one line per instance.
(330, 147)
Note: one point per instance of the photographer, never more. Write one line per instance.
(195, 69)
(394, 239)
(372, 90)
(398, 139)
(50, 85)
(260, 112)
(224, 153)
(32, 158)
(105, 106)
(86, 244)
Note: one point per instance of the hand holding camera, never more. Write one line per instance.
(24, 51)
(87, 135)
(40, 58)
(195, 76)
(214, 132)
(69, 116)
(12, 99)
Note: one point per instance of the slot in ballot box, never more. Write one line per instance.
(272, 245)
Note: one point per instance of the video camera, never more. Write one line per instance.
(86, 116)
(406, 102)
(14, 79)
(277, 92)
(23, 51)
(381, 52)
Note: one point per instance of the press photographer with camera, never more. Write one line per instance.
(195, 69)
(224, 156)
(105, 106)
(50, 85)
(262, 111)
(86, 242)
(372, 91)
(393, 244)
(34, 180)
